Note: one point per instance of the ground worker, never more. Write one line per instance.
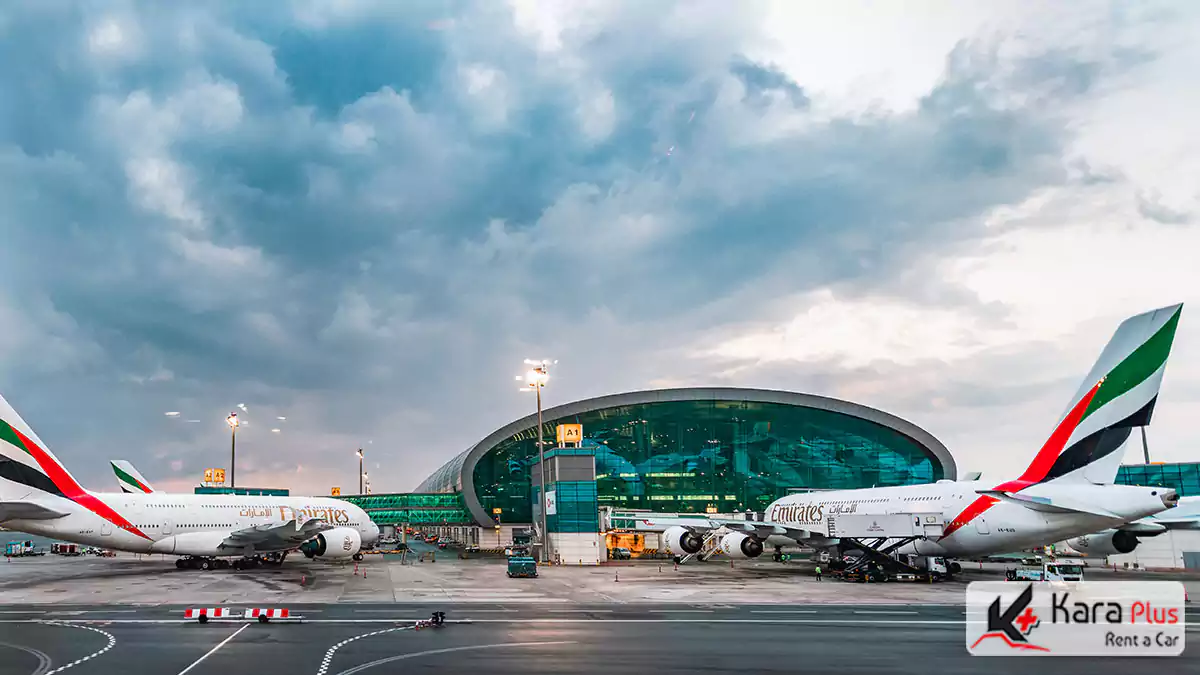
(818, 572)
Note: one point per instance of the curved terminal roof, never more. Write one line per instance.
(457, 474)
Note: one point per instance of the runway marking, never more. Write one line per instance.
(43, 660)
(111, 641)
(882, 611)
(214, 649)
(557, 620)
(26, 611)
(447, 650)
(330, 652)
(783, 611)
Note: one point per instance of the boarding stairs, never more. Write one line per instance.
(710, 546)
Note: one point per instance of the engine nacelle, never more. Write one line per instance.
(738, 545)
(679, 540)
(340, 542)
(1105, 543)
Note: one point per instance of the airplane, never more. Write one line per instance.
(39, 496)
(1067, 490)
(1124, 539)
(130, 479)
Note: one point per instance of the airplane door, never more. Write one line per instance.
(105, 528)
(981, 525)
(168, 526)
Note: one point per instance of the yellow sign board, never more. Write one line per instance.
(219, 476)
(570, 433)
(496, 511)
(335, 492)
(208, 473)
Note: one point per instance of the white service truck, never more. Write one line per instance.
(1051, 571)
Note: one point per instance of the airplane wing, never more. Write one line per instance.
(763, 530)
(27, 511)
(276, 537)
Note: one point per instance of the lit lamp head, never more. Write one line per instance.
(359, 453)
(232, 420)
(536, 376)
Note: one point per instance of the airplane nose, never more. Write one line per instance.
(1170, 498)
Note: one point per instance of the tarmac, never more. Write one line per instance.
(125, 614)
(131, 579)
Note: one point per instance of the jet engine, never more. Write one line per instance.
(679, 540)
(738, 545)
(340, 542)
(1105, 543)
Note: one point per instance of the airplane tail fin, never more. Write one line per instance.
(27, 467)
(129, 478)
(1117, 395)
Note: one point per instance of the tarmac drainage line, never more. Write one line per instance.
(111, 641)
(43, 660)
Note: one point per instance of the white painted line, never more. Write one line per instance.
(557, 620)
(882, 611)
(25, 611)
(214, 649)
(111, 641)
(783, 611)
(575, 611)
(328, 658)
(679, 611)
(448, 650)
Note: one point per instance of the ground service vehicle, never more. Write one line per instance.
(1048, 572)
(522, 566)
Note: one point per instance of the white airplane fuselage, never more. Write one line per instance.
(974, 524)
(186, 524)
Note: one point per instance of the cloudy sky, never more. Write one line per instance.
(362, 216)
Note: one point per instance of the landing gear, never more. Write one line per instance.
(357, 557)
(201, 563)
(265, 560)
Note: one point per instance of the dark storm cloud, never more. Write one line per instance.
(321, 212)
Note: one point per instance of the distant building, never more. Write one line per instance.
(698, 450)
(248, 491)
(1183, 477)
(1178, 548)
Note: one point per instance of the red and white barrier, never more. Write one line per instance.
(265, 613)
(206, 613)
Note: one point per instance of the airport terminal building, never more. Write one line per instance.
(687, 450)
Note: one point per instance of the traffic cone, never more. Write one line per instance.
(616, 576)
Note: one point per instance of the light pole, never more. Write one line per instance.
(232, 421)
(536, 378)
(360, 471)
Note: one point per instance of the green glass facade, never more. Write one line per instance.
(1184, 478)
(412, 508)
(692, 456)
(252, 492)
